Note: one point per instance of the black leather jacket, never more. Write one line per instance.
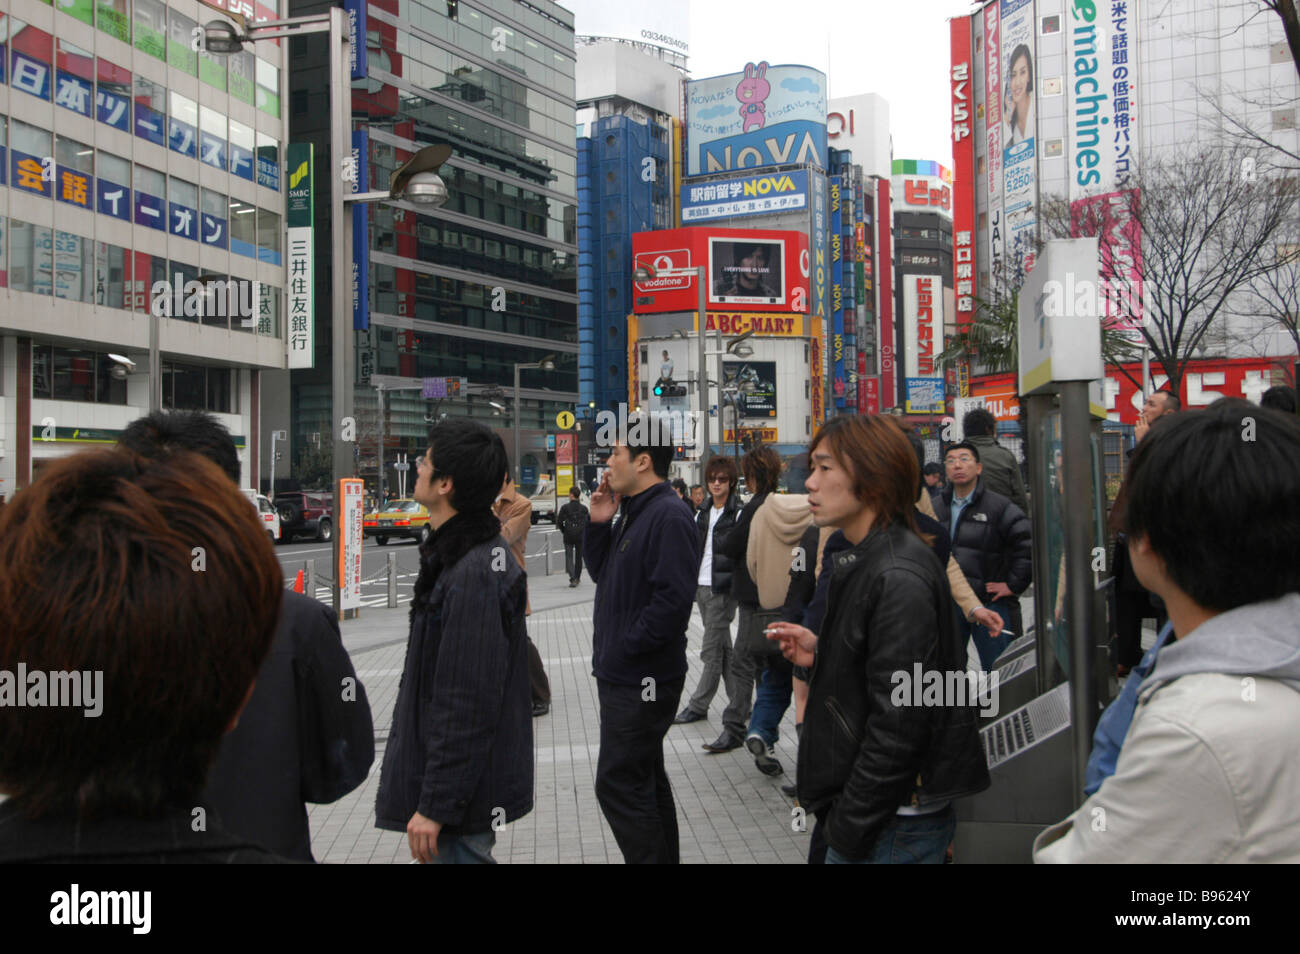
(862, 756)
(722, 564)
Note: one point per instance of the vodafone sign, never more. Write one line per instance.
(662, 261)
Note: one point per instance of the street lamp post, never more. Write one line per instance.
(546, 364)
(416, 180)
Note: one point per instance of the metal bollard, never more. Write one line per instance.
(309, 578)
(548, 554)
(392, 579)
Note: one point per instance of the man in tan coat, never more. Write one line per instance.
(515, 513)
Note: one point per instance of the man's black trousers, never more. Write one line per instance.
(573, 559)
(631, 783)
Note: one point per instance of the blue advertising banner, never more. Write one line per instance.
(268, 173)
(214, 230)
(113, 199)
(31, 76)
(744, 195)
(182, 138)
(149, 124)
(4, 166)
(212, 150)
(356, 37)
(75, 188)
(74, 93)
(360, 235)
(151, 211)
(28, 173)
(184, 221)
(113, 109)
(834, 185)
(793, 143)
(241, 162)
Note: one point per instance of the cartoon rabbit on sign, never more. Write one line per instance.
(752, 91)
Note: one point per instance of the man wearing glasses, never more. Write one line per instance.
(713, 593)
(991, 543)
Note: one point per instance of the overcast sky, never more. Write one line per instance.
(897, 48)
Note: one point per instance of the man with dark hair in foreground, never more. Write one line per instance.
(1211, 762)
(153, 585)
(306, 734)
(459, 762)
(645, 570)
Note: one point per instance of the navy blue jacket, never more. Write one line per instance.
(303, 737)
(461, 747)
(645, 566)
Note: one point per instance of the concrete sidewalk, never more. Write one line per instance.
(727, 811)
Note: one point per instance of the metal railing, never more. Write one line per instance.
(389, 570)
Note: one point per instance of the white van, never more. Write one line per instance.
(270, 519)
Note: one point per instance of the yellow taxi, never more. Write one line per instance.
(397, 518)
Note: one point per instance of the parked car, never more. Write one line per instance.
(397, 518)
(270, 519)
(305, 513)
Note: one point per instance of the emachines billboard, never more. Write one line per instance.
(748, 269)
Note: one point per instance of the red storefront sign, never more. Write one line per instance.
(963, 182)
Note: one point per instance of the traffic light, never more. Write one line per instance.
(659, 388)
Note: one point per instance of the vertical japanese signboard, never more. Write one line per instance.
(963, 185)
(301, 310)
(885, 246)
(1100, 121)
(837, 293)
(993, 127)
(360, 182)
(351, 498)
(1020, 138)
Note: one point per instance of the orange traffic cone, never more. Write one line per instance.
(297, 583)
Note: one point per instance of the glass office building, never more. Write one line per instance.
(128, 157)
(485, 282)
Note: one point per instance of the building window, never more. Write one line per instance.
(31, 258)
(68, 374)
(241, 76)
(179, 53)
(112, 276)
(30, 60)
(151, 28)
(114, 18)
(74, 267)
(268, 88)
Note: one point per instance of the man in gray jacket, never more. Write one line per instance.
(1001, 472)
(1211, 762)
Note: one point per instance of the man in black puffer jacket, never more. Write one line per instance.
(459, 763)
(880, 767)
(991, 543)
(713, 595)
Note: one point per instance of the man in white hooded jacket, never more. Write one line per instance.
(1210, 767)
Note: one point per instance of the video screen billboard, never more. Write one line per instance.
(746, 272)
